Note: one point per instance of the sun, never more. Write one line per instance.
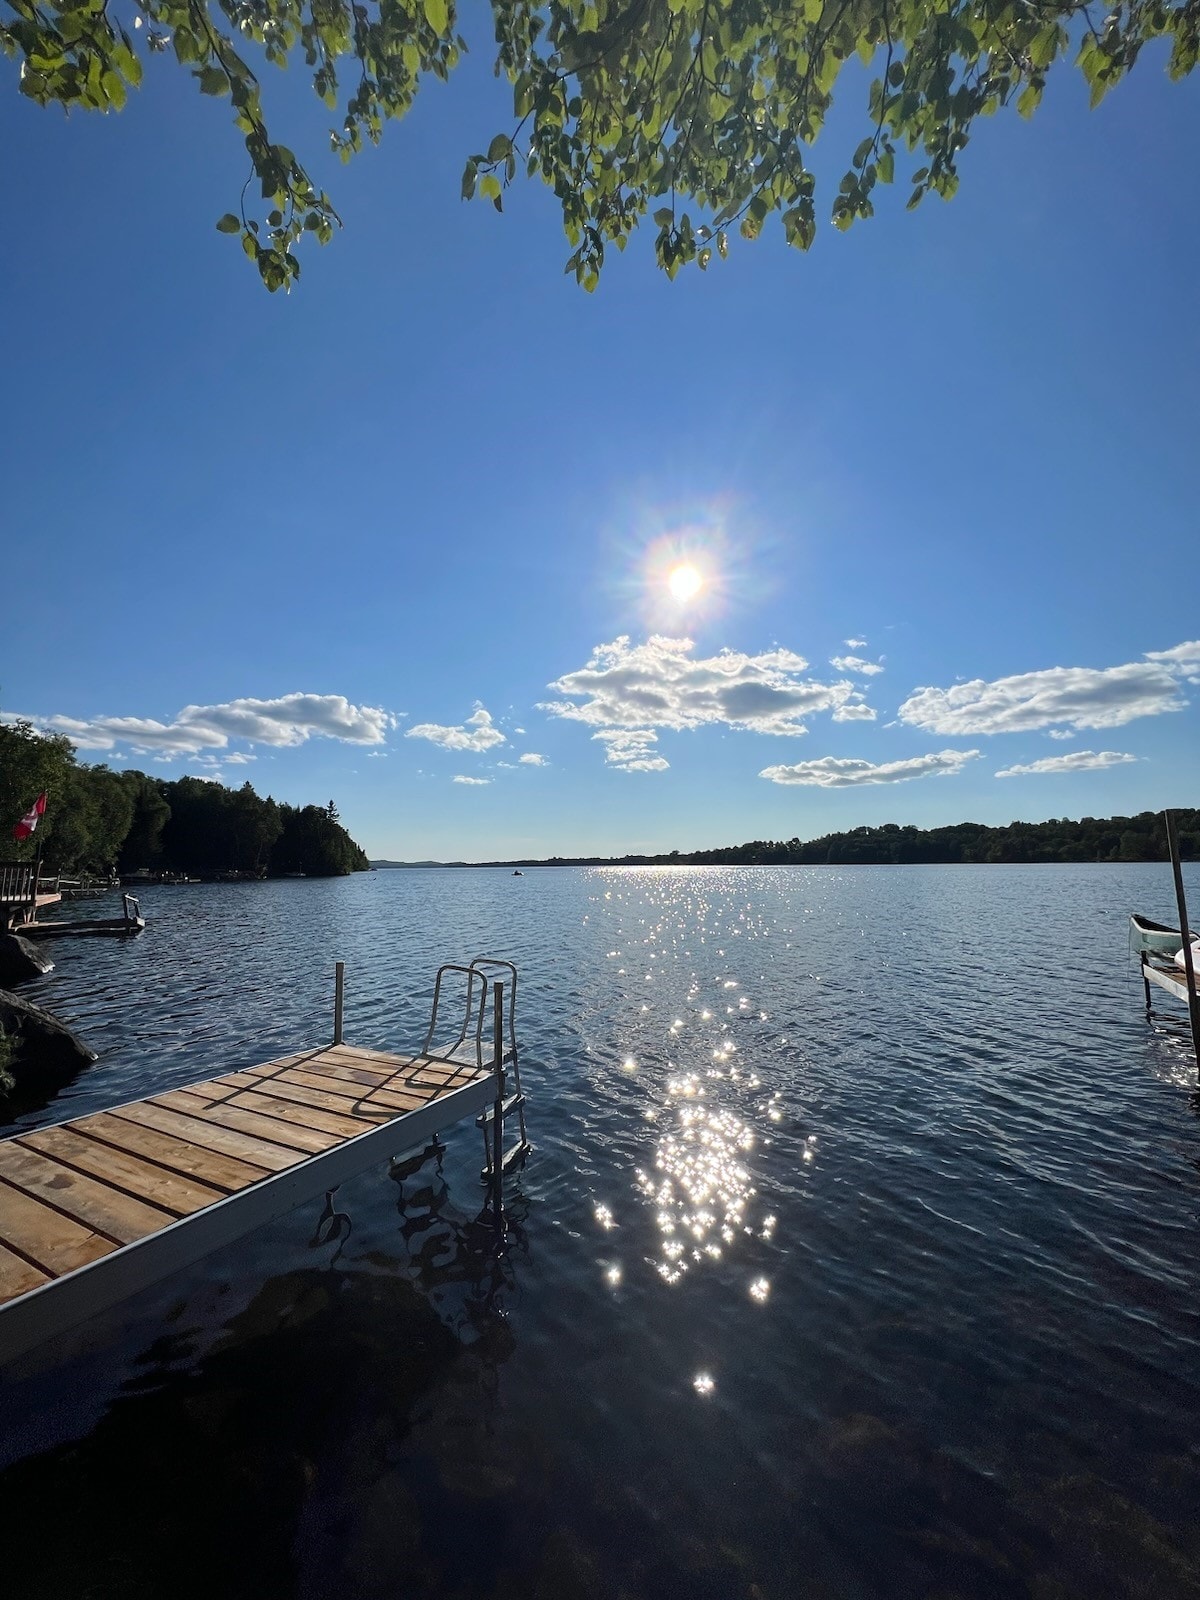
(685, 583)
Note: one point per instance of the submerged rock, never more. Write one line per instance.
(39, 1052)
(20, 961)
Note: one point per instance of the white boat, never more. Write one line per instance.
(1154, 936)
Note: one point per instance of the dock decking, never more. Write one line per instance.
(94, 1209)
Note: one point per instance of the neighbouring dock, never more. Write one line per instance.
(94, 1209)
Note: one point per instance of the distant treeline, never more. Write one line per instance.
(98, 820)
(1140, 838)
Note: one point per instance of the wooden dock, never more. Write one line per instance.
(95, 1209)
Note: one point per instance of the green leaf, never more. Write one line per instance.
(499, 147)
(437, 14)
(229, 223)
(212, 81)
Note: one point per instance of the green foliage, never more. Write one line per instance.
(622, 107)
(97, 819)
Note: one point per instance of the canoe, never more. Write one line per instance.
(1145, 934)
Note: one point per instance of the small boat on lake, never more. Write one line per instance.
(1145, 934)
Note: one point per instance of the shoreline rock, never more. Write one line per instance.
(21, 961)
(40, 1053)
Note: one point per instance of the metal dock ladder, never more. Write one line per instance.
(510, 1097)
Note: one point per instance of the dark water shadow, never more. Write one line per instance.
(237, 1473)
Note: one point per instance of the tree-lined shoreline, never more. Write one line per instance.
(1138, 838)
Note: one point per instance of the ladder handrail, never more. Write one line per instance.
(470, 973)
(478, 962)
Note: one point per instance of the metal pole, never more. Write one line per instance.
(498, 1116)
(339, 999)
(1188, 968)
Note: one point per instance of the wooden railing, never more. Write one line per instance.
(18, 880)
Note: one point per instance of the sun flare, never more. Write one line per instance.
(685, 583)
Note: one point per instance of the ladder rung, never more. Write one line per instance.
(516, 1154)
(513, 1103)
(511, 1158)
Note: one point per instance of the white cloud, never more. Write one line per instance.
(377, 755)
(1075, 761)
(833, 772)
(475, 783)
(1078, 697)
(531, 759)
(855, 644)
(292, 719)
(856, 664)
(1184, 658)
(238, 758)
(1060, 733)
(479, 732)
(660, 684)
(854, 711)
(631, 749)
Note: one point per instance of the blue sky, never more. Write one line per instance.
(308, 540)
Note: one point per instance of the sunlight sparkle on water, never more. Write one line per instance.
(703, 1383)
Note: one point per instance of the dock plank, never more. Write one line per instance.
(339, 1079)
(47, 1238)
(301, 1087)
(221, 1114)
(103, 1209)
(173, 1193)
(309, 1116)
(211, 1136)
(165, 1150)
(18, 1276)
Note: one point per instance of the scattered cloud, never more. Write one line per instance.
(531, 759)
(855, 644)
(631, 749)
(833, 772)
(1061, 733)
(290, 720)
(478, 733)
(854, 711)
(856, 664)
(239, 758)
(1074, 761)
(1077, 697)
(661, 684)
(377, 755)
(475, 783)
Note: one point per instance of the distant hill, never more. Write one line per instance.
(420, 863)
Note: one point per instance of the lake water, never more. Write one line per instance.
(857, 1256)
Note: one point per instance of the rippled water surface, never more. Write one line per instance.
(857, 1256)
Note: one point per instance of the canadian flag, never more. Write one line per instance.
(29, 821)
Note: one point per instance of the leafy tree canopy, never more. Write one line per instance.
(625, 108)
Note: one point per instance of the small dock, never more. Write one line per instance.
(94, 1209)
